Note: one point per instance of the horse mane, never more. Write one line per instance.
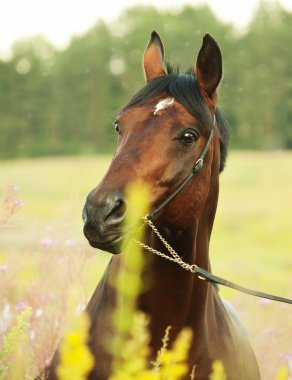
(183, 86)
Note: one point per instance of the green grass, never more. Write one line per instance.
(44, 248)
(253, 227)
(49, 187)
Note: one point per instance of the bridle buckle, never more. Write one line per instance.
(198, 165)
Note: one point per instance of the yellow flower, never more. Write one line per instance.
(76, 360)
(283, 374)
(218, 372)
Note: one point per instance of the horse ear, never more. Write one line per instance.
(153, 60)
(209, 65)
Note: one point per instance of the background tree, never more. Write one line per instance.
(64, 102)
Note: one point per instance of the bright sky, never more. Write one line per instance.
(58, 20)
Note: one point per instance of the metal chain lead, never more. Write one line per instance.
(175, 257)
(200, 272)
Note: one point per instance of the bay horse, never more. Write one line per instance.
(162, 132)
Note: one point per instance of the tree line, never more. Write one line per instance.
(64, 102)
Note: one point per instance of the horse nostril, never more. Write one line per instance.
(84, 214)
(117, 210)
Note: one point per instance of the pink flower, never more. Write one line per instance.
(264, 301)
(46, 297)
(270, 332)
(18, 202)
(20, 305)
(48, 242)
(62, 259)
(285, 356)
(70, 243)
(3, 268)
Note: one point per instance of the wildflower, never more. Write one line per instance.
(70, 243)
(38, 313)
(5, 317)
(218, 372)
(270, 332)
(32, 335)
(48, 242)
(283, 374)
(76, 360)
(17, 332)
(18, 203)
(46, 297)
(14, 344)
(165, 341)
(21, 305)
(264, 301)
(172, 363)
(132, 361)
(62, 259)
(285, 356)
(3, 268)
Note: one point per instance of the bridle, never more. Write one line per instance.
(201, 273)
(196, 169)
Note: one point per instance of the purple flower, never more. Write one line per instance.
(20, 305)
(285, 356)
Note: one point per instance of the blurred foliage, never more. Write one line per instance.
(252, 231)
(130, 345)
(64, 102)
(218, 372)
(76, 360)
(14, 345)
(283, 374)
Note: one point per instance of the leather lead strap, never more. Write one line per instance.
(205, 275)
(201, 273)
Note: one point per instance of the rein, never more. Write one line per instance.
(201, 273)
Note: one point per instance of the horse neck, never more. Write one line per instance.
(176, 296)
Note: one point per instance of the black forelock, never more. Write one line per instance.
(184, 88)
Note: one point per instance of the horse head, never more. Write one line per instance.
(161, 133)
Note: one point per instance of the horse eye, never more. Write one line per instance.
(189, 136)
(117, 128)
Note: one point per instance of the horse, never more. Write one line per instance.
(166, 127)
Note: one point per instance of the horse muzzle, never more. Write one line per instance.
(103, 221)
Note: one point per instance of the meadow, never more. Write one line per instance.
(47, 265)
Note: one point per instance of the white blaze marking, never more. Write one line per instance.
(163, 104)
